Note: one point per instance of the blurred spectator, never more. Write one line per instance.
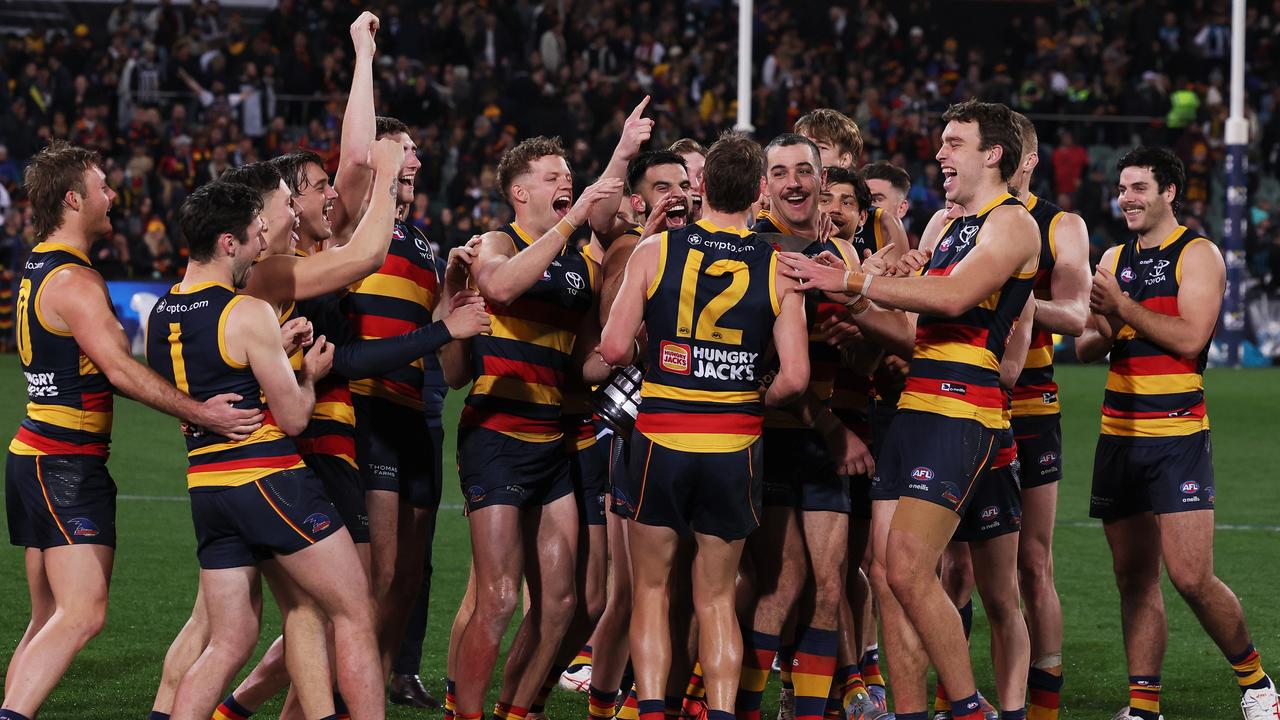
(1069, 162)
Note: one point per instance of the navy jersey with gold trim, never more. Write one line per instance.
(1036, 393)
(186, 345)
(709, 318)
(69, 401)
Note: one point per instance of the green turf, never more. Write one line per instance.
(155, 572)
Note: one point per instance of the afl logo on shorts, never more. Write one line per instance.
(1048, 458)
(1127, 274)
(317, 522)
(991, 512)
(922, 473)
(1190, 487)
(674, 357)
(84, 527)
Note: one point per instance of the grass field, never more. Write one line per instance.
(155, 575)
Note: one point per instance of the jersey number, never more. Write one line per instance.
(24, 323)
(706, 327)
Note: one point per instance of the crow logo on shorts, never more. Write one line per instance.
(475, 494)
(317, 522)
(950, 492)
(84, 527)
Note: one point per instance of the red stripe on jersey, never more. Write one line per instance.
(403, 267)
(506, 422)
(1030, 390)
(527, 372)
(700, 423)
(952, 332)
(333, 391)
(1165, 305)
(327, 445)
(976, 395)
(377, 326)
(281, 462)
(97, 401)
(49, 446)
(1154, 365)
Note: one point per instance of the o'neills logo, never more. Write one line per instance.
(674, 357)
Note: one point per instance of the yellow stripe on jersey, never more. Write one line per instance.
(395, 286)
(775, 298)
(512, 388)
(952, 407)
(175, 356)
(1155, 384)
(371, 387)
(266, 433)
(71, 418)
(531, 332)
(662, 263)
(337, 411)
(1027, 407)
(703, 442)
(1039, 357)
(87, 367)
(233, 478)
(222, 334)
(1053, 237)
(958, 352)
(670, 392)
(1153, 427)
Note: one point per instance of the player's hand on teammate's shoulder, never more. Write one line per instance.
(363, 33)
(296, 334)
(467, 315)
(594, 193)
(318, 361)
(219, 414)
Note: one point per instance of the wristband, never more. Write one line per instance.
(858, 305)
(565, 228)
(866, 283)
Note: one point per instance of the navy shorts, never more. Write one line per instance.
(246, 524)
(996, 508)
(343, 487)
(715, 494)
(1039, 448)
(397, 452)
(1158, 475)
(497, 469)
(934, 458)
(622, 495)
(798, 473)
(589, 471)
(55, 500)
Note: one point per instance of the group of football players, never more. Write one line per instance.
(723, 417)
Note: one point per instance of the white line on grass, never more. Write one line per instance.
(1061, 523)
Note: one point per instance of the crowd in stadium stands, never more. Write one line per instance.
(173, 95)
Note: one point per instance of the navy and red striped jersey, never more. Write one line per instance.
(955, 370)
(396, 299)
(521, 368)
(186, 345)
(1036, 393)
(1152, 393)
(709, 318)
(69, 401)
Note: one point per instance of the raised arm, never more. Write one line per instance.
(358, 127)
(502, 275)
(635, 133)
(1202, 281)
(281, 279)
(77, 297)
(1068, 308)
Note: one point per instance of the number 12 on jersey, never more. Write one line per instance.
(706, 327)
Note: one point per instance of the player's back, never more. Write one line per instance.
(186, 345)
(69, 401)
(709, 318)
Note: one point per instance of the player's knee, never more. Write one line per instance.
(495, 608)
(903, 578)
(1193, 584)
(1003, 608)
(1035, 571)
(86, 620)
(559, 606)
